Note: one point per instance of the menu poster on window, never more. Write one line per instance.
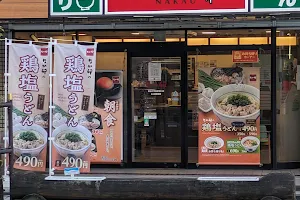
(28, 85)
(107, 143)
(229, 116)
(154, 71)
(73, 98)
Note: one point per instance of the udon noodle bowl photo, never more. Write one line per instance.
(71, 140)
(29, 139)
(250, 143)
(214, 142)
(237, 104)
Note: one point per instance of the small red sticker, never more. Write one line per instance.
(116, 79)
(252, 77)
(89, 52)
(44, 51)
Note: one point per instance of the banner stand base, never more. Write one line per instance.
(75, 178)
(230, 178)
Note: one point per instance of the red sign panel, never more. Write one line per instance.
(245, 56)
(135, 7)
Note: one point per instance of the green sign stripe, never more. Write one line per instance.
(76, 6)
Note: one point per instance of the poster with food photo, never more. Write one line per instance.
(229, 116)
(28, 85)
(107, 144)
(73, 98)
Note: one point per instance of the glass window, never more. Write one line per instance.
(288, 96)
(213, 60)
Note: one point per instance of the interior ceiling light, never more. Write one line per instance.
(270, 31)
(79, 34)
(208, 33)
(135, 33)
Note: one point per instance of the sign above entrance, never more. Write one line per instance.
(75, 7)
(149, 7)
(275, 5)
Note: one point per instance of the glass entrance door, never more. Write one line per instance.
(156, 104)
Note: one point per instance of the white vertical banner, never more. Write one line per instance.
(73, 99)
(29, 86)
(107, 146)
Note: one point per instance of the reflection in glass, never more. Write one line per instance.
(288, 97)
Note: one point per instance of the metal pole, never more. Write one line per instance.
(184, 104)
(11, 155)
(5, 99)
(273, 98)
(50, 106)
(130, 128)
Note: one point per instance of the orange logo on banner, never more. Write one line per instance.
(245, 56)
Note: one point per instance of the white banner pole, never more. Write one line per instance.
(5, 99)
(50, 45)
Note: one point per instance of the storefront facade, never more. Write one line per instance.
(162, 121)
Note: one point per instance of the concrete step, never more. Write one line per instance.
(297, 182)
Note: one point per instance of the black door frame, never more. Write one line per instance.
(163, 49)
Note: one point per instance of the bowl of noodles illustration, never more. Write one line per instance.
(72, 141)
(29, 140)
(234, 104)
